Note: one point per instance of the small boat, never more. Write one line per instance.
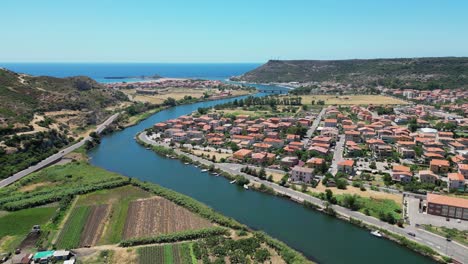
(148, 148)
(205, 170)
(234, 181)
(246, 187)
(167, 156)
(376, 233)
(186, 163)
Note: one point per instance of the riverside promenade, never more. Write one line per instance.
(452, 249)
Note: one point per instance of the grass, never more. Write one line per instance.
(16, 225)
(375, 206)
(168, 256)
(460, 236)
(352, 99)
(71, 233)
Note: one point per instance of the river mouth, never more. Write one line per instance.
(319, 237)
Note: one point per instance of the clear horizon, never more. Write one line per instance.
(240, 31)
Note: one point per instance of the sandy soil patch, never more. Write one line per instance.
(352, 99)
(32, 187)
(354, 190)
(276, 175)
(125, 255)
(218, 156)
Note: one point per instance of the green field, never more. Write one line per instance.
(168, 254)
(376, 206)
(71, 233)
(18, 224)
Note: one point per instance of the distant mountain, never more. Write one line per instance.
(22, 95)
(419, 73)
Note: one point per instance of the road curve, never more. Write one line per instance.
(55, 157)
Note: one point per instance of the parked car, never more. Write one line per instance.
(449, 239)
(411, 234)
(4, 257)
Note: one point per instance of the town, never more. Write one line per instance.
(405, 151)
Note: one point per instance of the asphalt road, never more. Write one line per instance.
(313, 127)
(337, 154)
(56, 157)
(438, 243)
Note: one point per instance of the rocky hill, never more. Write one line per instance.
(418, 73)
(22, 95)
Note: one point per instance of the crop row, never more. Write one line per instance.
(71, 233)
(168, 254)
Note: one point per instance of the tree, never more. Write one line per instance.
(262, 255)
(373, 165)
(341, 183)
(351, 202)
(328, 194)
(262, 173)
(170, 101)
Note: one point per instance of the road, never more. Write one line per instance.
(439, 244)
(55, 157)
(313, 127)
(338, 154)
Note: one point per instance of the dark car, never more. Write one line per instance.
(4, 257)
(449, 239)
(411, 234)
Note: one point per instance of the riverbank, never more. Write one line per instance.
(396, 234)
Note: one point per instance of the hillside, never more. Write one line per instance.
(22, 95)
(418, 73)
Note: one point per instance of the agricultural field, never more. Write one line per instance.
(352, 99)
(168, 254)
(94, 225)
(155, 216)
(70, 236)
(15, 226)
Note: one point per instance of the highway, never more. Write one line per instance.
(438, 243)
(55, 157)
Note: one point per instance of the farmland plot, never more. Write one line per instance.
(71, 233)
(94, 225)
(150, 255)
(155, 216)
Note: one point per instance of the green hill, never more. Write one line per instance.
(22, 95)
(418, 73)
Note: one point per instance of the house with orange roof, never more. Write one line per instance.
(261, 146)
(439, 166)
(427, 176)
(456, 180)
(315, 163)
(447, 206)
(242, 154)
(401, 173)
(346, 166)
(353, 136)
(276, 143)
(463, 169)
(330, 122)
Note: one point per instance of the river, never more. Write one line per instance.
(319, 237)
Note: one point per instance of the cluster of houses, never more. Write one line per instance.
(444, 155)
(167, 83)
(261, 141)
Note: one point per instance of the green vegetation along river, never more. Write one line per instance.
(319, 237)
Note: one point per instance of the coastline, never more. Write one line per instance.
(318, 206)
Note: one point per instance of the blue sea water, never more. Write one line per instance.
(98, 71)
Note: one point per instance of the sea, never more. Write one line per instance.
(133, 71)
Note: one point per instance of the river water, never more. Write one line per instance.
(319, 237)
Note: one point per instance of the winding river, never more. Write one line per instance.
(319, 237)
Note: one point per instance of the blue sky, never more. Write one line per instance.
(229, 31)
